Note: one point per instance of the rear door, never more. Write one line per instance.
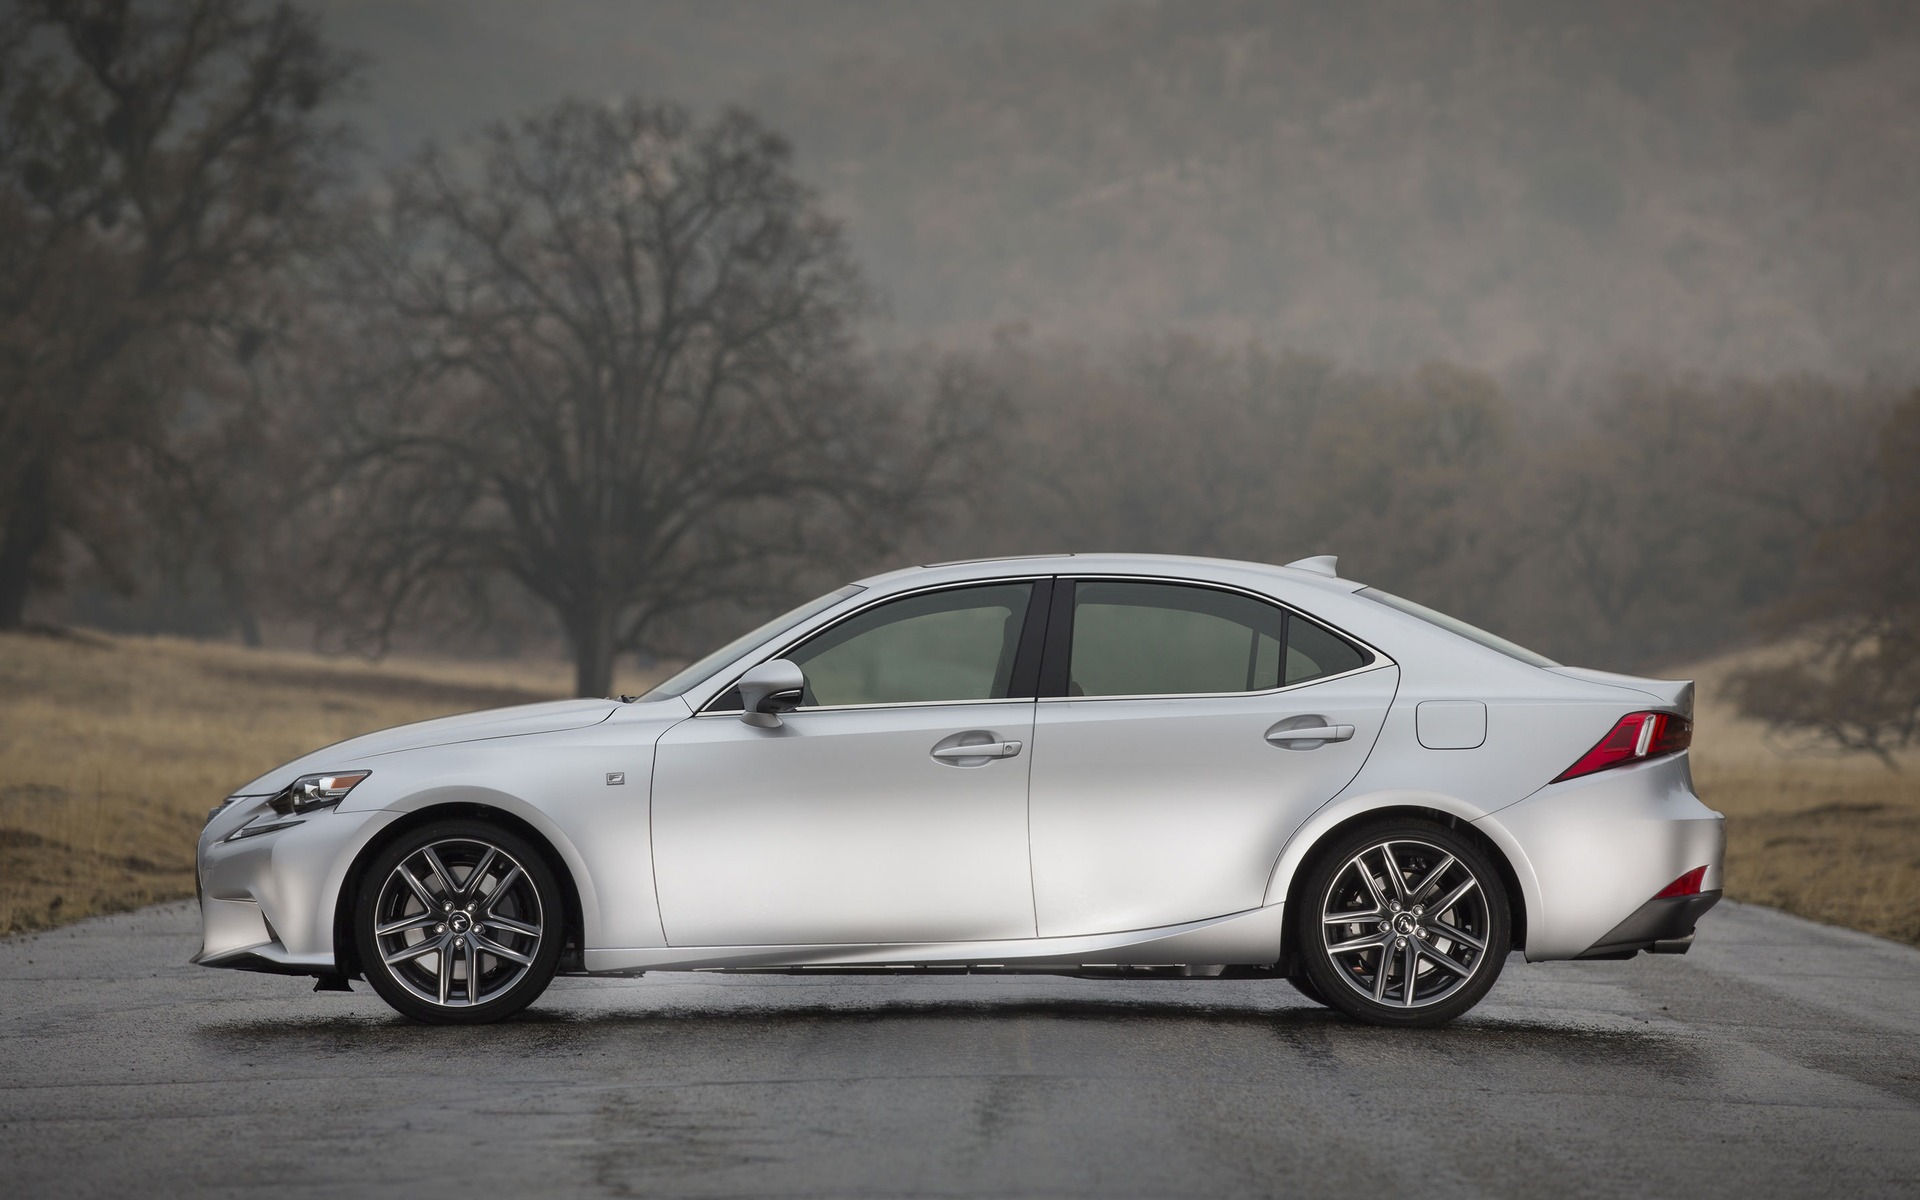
(1168, 763)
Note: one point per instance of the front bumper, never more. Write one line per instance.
(268, 903)
(1591, 852)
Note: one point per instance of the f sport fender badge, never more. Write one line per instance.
(616, 778)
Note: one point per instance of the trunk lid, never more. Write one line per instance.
(1675, 694)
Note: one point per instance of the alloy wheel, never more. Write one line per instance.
(1406, 923)
(459, 922)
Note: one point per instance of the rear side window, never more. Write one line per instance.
(1161, 639)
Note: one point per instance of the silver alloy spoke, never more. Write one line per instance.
(1434, 955)
(1453, 897)
(441, 872)
(423, 920)
(479, 874)
(496, 921)
(1359, 864)
(1353, 918)
(1394, 876)
(1437, 929)
(1398, 946)
(1362, 943)
(418, 950)
(498, 951)
(460, 965)
(1433, 877)
(498, 893)
(419, 889)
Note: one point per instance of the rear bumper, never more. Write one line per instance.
(1663, 925)
(1591, 852)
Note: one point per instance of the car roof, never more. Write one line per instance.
(1174, 566)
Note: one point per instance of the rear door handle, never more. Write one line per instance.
(1314, 733)
(979, 750)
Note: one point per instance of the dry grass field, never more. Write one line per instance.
(1832, 839)
(112, 749)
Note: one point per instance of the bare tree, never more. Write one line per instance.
(611, 361)
(157, 162)
(1857, 685)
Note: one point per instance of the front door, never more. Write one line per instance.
(1165, 782)
(861, 819)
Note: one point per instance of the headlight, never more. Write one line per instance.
(310, 792)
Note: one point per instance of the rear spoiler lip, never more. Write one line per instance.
(1675, 694)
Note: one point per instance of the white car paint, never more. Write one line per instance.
(1124, 830)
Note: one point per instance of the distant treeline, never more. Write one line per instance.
(1647, 519)
(1544, 183)
(597, 378)
(1724, 183)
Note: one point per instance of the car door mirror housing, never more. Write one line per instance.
(770, 689)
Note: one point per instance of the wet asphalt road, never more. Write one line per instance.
(1779, 1059)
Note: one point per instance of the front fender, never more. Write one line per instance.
(570, 856)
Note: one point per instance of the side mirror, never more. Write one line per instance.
(769, 690)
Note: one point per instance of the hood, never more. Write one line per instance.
(1673, 693)
(550, 717)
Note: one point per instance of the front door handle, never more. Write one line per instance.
(1313, 733)
(979, 750)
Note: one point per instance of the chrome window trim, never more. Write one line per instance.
(1305, 683)
(1382, 658)
(705, 710)
(827, 708)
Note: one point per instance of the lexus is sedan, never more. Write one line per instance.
(1092, 765)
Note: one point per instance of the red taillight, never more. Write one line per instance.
(1671, 734)
(1686, 885)
(1636, 736)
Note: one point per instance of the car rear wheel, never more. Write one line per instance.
(1403, 923)
(459, 923)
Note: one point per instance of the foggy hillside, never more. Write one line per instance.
(1724, 184)
(436, 68)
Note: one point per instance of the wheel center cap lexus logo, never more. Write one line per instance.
(460, 922)
(1403, 924)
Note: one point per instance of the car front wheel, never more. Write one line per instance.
(459, 923)
(1403, 923)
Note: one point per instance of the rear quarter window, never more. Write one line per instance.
(1313, 652)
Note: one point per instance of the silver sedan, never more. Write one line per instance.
(1088, 765)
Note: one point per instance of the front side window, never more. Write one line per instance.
(952, 645)
(1160, 639)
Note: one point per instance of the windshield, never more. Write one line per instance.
(678, 683)
(1454, 625)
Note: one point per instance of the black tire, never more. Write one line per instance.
(1431, 863)
(503, 931)
(1305, 987)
